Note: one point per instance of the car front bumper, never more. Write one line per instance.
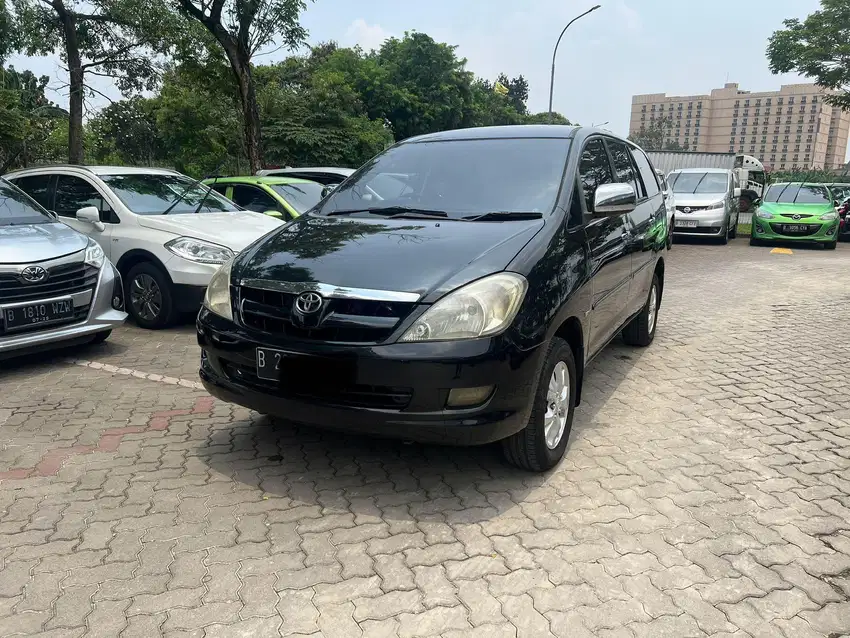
(709, 223)
(398, 390)
(770, 230)
(105, 312)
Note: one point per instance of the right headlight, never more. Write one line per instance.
(764, 214)
(482, 308)
(217, 297)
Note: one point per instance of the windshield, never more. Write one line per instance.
(798, 194)
(152, 194)
(301, 196)
(840, 191)
(699, 182)
(459, 177)
(16, 208)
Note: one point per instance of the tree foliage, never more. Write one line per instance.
(656, 136)
(818, 48)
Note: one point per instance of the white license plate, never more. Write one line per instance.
(686, 223)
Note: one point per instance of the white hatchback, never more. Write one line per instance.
(144, 220)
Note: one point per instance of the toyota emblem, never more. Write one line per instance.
(308, 303)
(33, 274)
(686, 209)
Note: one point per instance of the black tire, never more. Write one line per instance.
(830, 245)
(733, 232)
(670, 234)
(527, 449)
(100, 337)
(160, 312)
(725, 238)
(755, 242)
(641, 330)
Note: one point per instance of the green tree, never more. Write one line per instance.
(817, 47)
(544, 118)
(95, 37)
(655, 137)
(126, 132)
(241, 28)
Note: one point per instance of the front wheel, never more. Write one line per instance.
(641, 330)
(733, 232)
(148, 295)
(755, 242)
(100, 337)
(830, 245)
(542, 443)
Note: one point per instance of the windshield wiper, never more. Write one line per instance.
(503, 215)
(392, 212)
(191, 186)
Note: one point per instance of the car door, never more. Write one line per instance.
(74, 193)
(648, 221)
(609, 260)
(255, 199)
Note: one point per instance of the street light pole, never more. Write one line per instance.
(555, 53)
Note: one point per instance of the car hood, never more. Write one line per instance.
(235, 230)
(796, 209)
(427, 257)
(697, 199)
(38, 242)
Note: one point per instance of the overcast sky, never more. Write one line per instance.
(624, 48)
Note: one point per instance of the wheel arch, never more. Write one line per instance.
(138, 256)
(571, 331)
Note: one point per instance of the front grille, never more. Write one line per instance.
(691, 209)
(345, 320)
(61, 281)
(352, 396)
(808, 229)
(795, 215)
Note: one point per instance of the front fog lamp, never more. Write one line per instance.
(468, 397)
(480, 309)
(217, 296)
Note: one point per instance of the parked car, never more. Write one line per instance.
(843, 221)
(142, 218)
(325, 175)
(795, 211)
(669, 204)
(464, 309)
(840, 191)
(283, 197)
(56, 285)
(706, 202)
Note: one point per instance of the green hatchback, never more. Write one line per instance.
(284, 197)
(795, 211)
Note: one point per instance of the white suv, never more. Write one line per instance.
(165, 254)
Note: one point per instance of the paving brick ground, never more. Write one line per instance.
(706, 491)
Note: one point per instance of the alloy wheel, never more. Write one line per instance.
(146, 297)
(653, 308)
(557, 405)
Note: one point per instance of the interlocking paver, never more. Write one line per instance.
(705, 491)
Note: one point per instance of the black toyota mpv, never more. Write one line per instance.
(451, 290)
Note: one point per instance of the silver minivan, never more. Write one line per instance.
(706, 202)
(57, 287)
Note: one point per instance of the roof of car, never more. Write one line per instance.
(556, 131)
(269, 180)
(701, 170)
(100, 170)
(339, 170)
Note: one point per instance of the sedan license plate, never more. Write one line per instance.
(686, 223)
(23, 316)
(793, 228)
(269, 364)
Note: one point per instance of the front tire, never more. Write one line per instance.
(831, 245)
(100, 337)
(733, 232)
(755, 242)
(641, 330)
(149, 296)
(542, 443)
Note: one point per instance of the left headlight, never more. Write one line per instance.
(763, 214)
(94, 254)
(716, 205)
(828, 217)
(202, 252)
(217, 297)
(482, 308)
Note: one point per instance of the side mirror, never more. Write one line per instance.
(90, 215)
(737, 192)
(614, 199)
(273, 213)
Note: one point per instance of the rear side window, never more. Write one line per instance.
(647, 174)
(253, 199)
(594, 170)
(624, 171)
(37, 187)
(73, 193)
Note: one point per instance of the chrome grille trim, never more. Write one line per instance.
(330, 291)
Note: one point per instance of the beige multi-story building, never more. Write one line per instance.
(791, 127)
